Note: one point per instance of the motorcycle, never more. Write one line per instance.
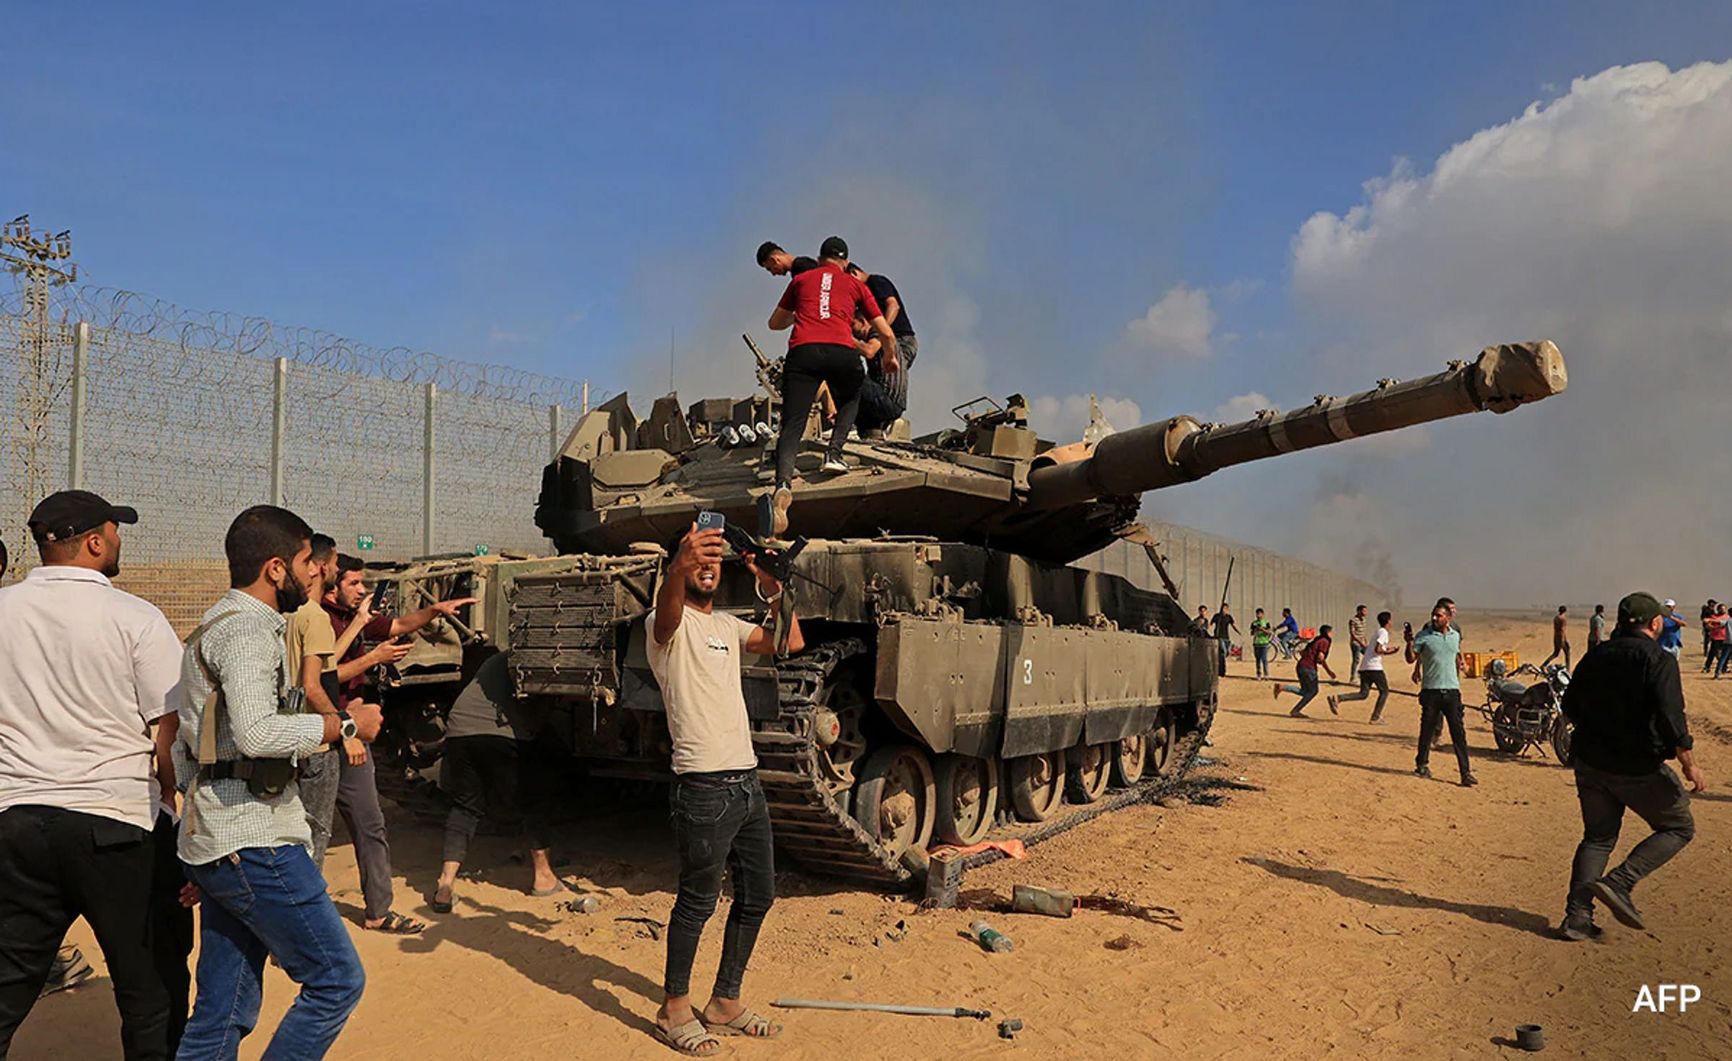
(1528, 715)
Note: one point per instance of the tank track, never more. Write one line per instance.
(811, 826)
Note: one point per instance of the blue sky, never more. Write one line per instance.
(562, 187)
(508, 182)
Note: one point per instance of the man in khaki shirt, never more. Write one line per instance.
(720, 817)
(312, 650)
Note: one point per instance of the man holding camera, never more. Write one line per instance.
(85, 676)
(358, 790)
(720, 816)
(244, 837)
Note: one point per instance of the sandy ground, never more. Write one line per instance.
(1343, 908)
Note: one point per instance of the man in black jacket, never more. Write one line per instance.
(1626, 703)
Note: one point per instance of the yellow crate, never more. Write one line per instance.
(1478, 663)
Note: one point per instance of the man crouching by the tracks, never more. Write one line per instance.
(1627, 706)
(718, 809)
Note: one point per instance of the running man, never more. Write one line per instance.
(1371, 672)
(1316, 655)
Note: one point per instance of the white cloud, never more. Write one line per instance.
(1064, 419)
(1599, 219)
(1241, 407)
(1181, 324)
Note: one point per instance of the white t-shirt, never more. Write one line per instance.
(699, 674)
(84, 670)
(1371, 658)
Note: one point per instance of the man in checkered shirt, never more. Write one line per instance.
(248, 853)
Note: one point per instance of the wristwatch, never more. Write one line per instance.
(346, 725)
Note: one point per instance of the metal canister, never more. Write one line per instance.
(1053, 902)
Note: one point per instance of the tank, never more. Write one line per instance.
(962, 680)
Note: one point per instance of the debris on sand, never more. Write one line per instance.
(1124, 942)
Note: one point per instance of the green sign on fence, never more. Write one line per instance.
(364, 542)
(481, 550)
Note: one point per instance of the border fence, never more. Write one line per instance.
(1198, 561)
(192, 417)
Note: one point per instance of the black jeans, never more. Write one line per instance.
(501, 774)
(1563, 650)
(806, 366)
(1658, 798)
(172, 926)
(1367, 680)
(719, 820)
(1435, 707)
(56, 866)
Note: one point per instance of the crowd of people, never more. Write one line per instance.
(143, 778)
(1624, 704)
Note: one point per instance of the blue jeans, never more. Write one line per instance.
(259, 901)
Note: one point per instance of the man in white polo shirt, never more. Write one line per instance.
(85, 674)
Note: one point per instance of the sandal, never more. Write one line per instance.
(397, 925)
(749, 1023)
(441, 906)
(690, 1038)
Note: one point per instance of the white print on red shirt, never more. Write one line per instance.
(824, 297)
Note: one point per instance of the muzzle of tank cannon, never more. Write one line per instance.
(1181, 450)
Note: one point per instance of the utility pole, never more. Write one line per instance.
(40, 351)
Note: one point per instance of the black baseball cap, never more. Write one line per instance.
(70, 513)
(765, 249)
(1638, 609)
(834, 247)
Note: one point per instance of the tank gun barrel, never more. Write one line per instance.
(1181, 449)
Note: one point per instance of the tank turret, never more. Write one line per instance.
(993, 481)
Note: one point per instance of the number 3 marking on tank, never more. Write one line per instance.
(1028, 672)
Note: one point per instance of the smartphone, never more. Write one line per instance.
(711, 521)
(1407, 630)
(379, 590)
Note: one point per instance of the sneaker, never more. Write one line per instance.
(1334, 705)
(1297, 713)
(1618, 901)
(1375, 720)
(1468, 780)
(1576, 929)
(835, 464)
(1275, 690)
(1422, 771)
(68, 971)
(782, 501)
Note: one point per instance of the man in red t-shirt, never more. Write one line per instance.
(819, 304)
(357, 788)
(1316, 655)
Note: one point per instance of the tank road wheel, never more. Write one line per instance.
(1037, 785)
(967, 798)
(836, 725)
(1087, 778)
(1161, 741)
(894, 799)
(1130, 757)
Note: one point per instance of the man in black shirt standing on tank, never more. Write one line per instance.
(1626, 703)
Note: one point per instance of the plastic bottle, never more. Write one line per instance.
(990, 938)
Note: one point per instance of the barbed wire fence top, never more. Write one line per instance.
(175, 413)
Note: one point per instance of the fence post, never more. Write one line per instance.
(586, 397)
(427, 472)
(279, 421)
(75, 441)
(553, 434)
